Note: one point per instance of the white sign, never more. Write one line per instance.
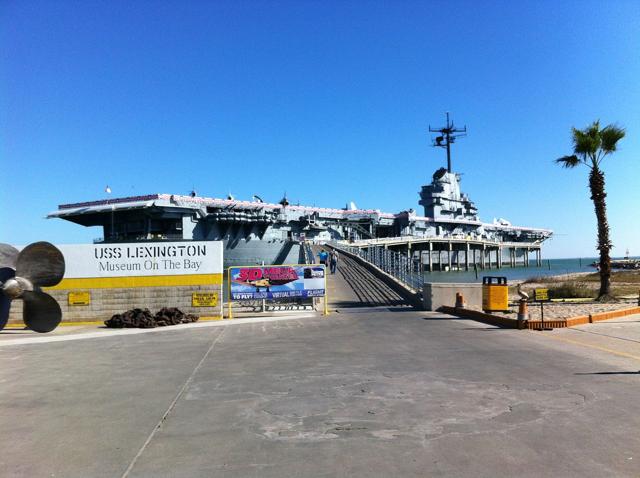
(142, 259)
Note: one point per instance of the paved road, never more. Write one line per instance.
(375, 393)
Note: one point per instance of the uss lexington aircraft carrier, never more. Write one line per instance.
(274, 233)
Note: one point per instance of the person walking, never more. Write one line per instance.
(323, 256)
(333, 262)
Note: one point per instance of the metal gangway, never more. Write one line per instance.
(399, 266)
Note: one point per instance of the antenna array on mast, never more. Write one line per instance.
(448, 135)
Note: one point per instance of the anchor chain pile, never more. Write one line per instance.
(143, 319)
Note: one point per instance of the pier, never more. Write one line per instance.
(455, 253)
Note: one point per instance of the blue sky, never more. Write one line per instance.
(328, 101)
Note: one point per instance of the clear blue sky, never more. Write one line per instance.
(329, 101)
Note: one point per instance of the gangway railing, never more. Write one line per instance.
(399, 266)
(308, 253)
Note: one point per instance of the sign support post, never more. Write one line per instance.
(229, 293)
(326, 295)
(542, 296)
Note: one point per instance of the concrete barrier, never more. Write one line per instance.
(536, 324)
(483, 317)
(438, 294)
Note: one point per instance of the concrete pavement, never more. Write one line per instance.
(369, 393)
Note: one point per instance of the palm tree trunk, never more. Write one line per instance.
(596, 185)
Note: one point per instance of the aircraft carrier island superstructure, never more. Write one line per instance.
(274, 233)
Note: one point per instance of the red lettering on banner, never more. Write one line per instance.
(273, 273)
(281, 273)
(250, 274)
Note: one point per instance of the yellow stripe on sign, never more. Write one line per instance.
(138, 281)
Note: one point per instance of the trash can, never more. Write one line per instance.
(495, 294)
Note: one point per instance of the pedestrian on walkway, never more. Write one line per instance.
(333, 261)
(323, 256)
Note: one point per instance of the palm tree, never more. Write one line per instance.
(590, 146)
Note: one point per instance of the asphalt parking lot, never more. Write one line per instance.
(371, 392)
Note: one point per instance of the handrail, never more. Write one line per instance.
(308, 253)
(399, 240)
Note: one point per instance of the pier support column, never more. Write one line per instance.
(540, 250)
(499, 252)
(482, 255)
(430, 259)
(539, 257)
(449, 255)
(466, 258)
(526, 258)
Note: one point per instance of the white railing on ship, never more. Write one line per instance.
(455, 238)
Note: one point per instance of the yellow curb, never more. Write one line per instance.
(596, 347)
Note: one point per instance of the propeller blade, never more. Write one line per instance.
(41, 263)
(6, 273)
(41, 312)
(8, 256)
(5, 305)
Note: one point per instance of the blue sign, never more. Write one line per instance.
(276, 282)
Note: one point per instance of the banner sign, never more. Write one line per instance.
(276, 282)
(142, 259)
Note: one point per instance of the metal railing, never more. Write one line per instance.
(454, 238)
(308, 253)
(399, 266)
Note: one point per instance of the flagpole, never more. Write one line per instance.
(108, 191)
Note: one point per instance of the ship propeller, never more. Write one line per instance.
(22, 274)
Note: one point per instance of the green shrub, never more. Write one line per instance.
(571, 290)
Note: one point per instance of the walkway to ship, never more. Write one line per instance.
(354, 286)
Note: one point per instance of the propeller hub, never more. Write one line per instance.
(14, 288)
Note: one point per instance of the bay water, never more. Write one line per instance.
(550, 267)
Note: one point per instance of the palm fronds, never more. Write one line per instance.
(592, 144)
(610, 135)
(568, 161)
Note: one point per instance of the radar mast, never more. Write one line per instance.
(448, 135)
